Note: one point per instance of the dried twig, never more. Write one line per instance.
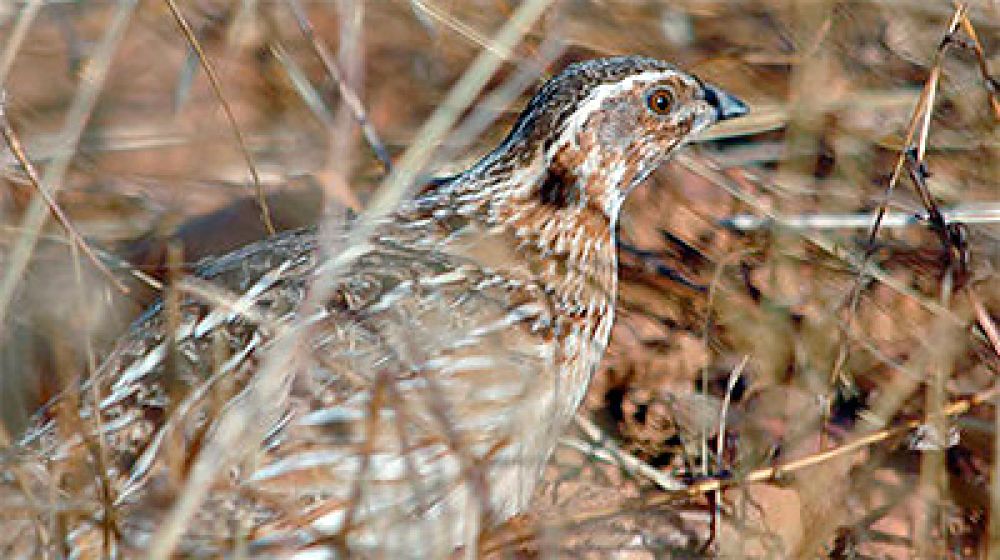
(77, 116)
(706, 170)
(992, 86)
(348, 95)
(720, 442)
(17, 35)
(979, 213)
(213, 78)
(508, 536)
(910, 159)
(985, 322)
(602, 447)
(246, 420)
(778, 472)
(463, 29)
(10, 136)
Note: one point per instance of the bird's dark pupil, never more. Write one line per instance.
(659, 102)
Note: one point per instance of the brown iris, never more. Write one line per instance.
(660, 101)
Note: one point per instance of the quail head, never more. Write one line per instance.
(433, 380)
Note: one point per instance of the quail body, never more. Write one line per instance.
(428, 383)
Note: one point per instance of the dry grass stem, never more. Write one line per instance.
(805, 350)
(213, 78)
(971, 214)
(10, 137)
(348, 95)
(96, 71)
(16, 39)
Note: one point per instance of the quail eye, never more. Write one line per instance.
(660, 101)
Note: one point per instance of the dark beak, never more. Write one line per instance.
(727, 105)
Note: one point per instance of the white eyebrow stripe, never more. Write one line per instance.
(594, 101)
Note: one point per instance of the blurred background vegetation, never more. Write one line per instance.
(740, 345)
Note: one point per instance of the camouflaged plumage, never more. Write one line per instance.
(434, 380)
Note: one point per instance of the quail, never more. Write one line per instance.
(434, 375)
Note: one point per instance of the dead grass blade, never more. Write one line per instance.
(348, 95)
(424, 6)
(17, 35)
(76, 120)
(911, 160)
(826, 244)
(972, 214)
(10, 136)
(247, 418)
(506, 537)
(213, 78)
